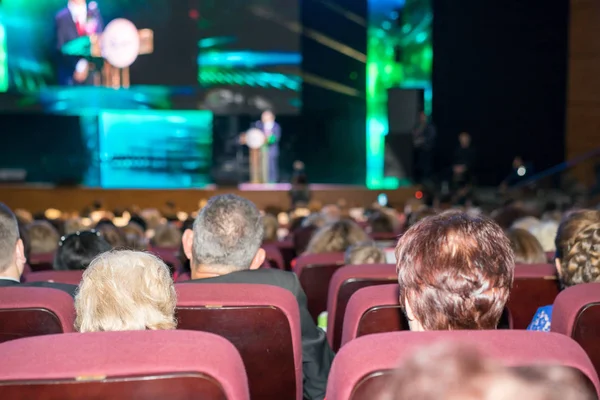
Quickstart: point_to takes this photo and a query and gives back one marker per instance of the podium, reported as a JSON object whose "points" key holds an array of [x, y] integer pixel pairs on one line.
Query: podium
{"points": [[256, 141], [115, 49]]}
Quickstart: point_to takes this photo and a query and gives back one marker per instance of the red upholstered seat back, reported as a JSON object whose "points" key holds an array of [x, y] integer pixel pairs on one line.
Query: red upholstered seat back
{"points": [[384, 236], [288, 252], [70, 277], [273, 255], [41, 262], [345, 282], [32, 311], [373, 310], [315, 272], [174, 365], [363, 362], [169, 257], [302, 237], [576, 313], [263, 322], [535, 286]]}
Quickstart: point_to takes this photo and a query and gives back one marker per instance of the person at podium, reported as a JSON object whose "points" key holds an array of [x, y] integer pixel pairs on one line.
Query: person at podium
{"points": [[272, 132], [77, 19]]}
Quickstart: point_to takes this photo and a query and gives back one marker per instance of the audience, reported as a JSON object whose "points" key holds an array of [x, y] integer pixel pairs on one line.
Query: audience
{"points": [[364, 253], [111, 233], [455, 269], [545, 233], [12, 255], [331, 213], [73, 225], [166, 236], [316, 220], [224, 247], [336, 237], [126, 290], [456, 272], [459, 372], [270, 228], [77, 250], [577, 257], [44, 238], [135, 237], [418, 215], [526, 247], [380, 222]]}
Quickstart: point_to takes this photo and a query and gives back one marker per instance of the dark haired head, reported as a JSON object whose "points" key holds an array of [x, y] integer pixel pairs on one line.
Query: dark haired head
{"points": [[77, 250]]}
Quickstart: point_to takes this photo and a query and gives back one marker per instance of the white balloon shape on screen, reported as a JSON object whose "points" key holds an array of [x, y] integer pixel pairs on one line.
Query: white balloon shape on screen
{"points": [[120, 43], [255, 138]]}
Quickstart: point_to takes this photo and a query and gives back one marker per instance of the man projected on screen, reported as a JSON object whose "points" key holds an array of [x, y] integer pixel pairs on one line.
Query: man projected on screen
{"points": [[272, 131], [74, 21]]}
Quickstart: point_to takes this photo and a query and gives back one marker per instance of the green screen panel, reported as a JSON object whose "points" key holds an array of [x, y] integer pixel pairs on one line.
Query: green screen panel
{"points": [[399, 55]]}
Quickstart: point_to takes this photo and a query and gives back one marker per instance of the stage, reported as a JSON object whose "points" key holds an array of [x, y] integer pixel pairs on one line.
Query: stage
{"points": [[36, 198]]}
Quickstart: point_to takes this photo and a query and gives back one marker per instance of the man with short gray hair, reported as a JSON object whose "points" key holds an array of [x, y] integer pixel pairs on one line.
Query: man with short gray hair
{"points": [[12, 255], [224, 247]]}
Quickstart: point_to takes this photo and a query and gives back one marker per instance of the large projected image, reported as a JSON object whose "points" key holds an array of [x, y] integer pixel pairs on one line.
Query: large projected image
{"points": [[55, 50], [400, 55], [250, 57]]}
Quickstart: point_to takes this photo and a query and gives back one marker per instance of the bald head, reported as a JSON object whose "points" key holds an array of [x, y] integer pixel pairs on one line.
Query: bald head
{"points": [[9, 236], [227, 234]]}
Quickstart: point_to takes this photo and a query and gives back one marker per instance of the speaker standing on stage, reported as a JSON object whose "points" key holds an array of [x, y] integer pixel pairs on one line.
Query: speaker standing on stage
{"points": [[272, 131], [76, 20], [424, 139]]}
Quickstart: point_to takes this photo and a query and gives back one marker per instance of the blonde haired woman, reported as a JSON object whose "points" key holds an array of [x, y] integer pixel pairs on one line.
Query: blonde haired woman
{"points": [[336, 237], [364, 253], [125, 290]]}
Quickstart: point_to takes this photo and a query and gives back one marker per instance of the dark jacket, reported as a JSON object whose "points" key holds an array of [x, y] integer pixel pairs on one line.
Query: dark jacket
{"points": [[465, 156], [70, 289], [317, 356], [275, 138], [66, 31]]}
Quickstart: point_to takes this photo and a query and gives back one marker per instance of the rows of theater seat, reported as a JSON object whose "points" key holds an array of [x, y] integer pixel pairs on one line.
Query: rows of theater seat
{"points": [[262, 354], [262, 322]]}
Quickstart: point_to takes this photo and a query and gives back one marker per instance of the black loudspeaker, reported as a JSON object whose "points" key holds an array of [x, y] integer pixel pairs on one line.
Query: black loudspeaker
{"points": [[404, 106], [398, 156]]}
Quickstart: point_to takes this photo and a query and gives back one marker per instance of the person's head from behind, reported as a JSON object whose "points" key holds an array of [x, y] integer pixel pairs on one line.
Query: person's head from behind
{"points": [[454, 371], [111, 233], [166, 236], [125, 290], [545, 233], [578, 248], [77, 250], [331, 213], [73, 225], [227, 236], [415, 216], [267, 117], [455, 272], [336, 237], [464, 139], [135, 237], [380, 222], [364, 253], [526, 247], [12, 253], [43, 236], [270, 228]]}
